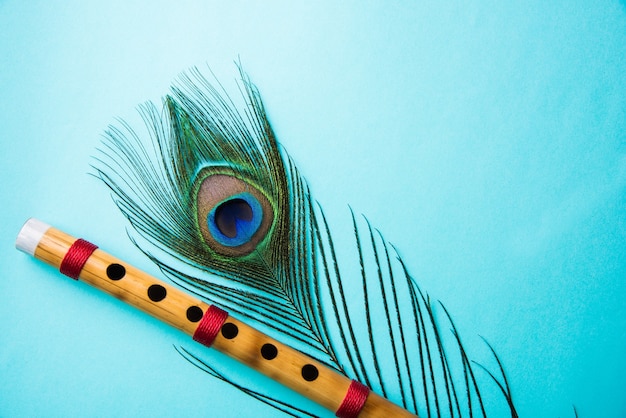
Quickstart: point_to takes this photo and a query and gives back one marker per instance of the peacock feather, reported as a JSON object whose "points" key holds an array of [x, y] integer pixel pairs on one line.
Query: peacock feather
{"points": [[220, 207]]}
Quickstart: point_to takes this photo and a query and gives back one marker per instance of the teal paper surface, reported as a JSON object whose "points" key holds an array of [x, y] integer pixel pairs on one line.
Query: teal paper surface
{"points": [[486, 141]]}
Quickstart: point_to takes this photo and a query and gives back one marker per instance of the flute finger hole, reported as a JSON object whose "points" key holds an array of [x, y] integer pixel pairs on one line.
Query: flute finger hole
{"points": [[310, 372], [116, 271], [269, 351], [194, 313], [157, 293], [230, 330]]}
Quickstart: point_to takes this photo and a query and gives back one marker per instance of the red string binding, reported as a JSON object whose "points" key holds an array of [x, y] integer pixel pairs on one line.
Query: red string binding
{"points": [[210, 325], [76, 257], [354, 400]]}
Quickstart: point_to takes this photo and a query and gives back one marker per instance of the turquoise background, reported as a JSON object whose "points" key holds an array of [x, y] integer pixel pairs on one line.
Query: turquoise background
{"points": [[486, 140]]}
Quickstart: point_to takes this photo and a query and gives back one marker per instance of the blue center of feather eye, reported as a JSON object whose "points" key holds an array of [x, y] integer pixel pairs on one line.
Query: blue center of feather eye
{"points": [[233, 222]]}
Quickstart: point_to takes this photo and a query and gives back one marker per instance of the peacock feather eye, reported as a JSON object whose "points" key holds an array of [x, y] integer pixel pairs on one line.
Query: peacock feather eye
{"points": [[234, 216]]}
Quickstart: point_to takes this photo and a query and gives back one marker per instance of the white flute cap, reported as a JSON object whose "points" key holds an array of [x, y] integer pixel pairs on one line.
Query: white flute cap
{"points": [[30, 235]]}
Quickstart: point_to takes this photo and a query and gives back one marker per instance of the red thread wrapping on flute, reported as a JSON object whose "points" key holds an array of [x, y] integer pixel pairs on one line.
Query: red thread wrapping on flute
{"points": [[210, 325], [354, 400], [76, 257]]}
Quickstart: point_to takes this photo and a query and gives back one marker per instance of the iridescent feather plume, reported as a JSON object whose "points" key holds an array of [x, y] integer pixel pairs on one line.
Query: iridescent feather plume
{"points": [[221, 208]]}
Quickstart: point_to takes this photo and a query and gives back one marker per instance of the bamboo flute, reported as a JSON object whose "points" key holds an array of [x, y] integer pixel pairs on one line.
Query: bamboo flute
{"points": [[206, 323]]}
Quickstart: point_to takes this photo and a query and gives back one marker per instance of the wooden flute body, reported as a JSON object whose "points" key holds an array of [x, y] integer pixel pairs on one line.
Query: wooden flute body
{"points": [[177, 308]]}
